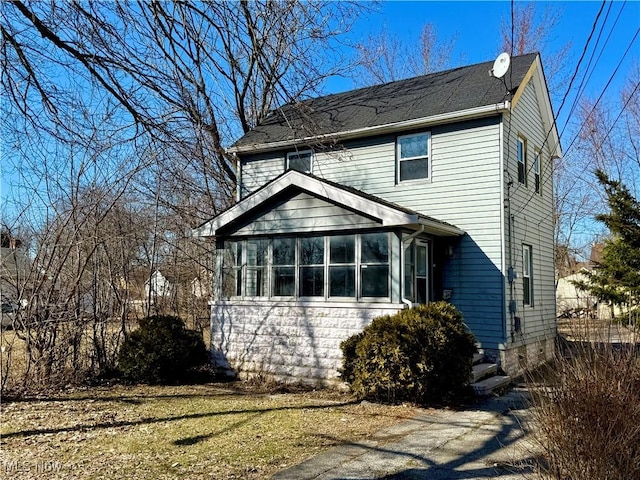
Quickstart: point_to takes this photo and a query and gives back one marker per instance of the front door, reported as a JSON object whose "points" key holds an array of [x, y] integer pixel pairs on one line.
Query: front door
{"points": [[416, 271]]}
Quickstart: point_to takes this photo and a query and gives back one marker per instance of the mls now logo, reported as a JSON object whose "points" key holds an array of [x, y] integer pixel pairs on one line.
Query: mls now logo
{"points": [[36, 466]]}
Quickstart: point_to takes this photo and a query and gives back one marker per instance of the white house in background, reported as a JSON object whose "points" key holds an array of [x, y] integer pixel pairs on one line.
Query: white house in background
{"points": [[157, 287], [573, 301], [362, 203]]}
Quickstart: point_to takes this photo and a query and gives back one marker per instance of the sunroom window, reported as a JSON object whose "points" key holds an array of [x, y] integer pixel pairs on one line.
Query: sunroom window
{"points": [[352, 266], [256, 275], [374, 265], [232, 270], [312, 267], [342, 266], [283, 271], [416, 271]]}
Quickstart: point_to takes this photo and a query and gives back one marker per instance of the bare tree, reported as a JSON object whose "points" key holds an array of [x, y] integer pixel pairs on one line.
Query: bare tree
{"points": [[190, 74], [115, 120], [384, 57], [530, 30]]}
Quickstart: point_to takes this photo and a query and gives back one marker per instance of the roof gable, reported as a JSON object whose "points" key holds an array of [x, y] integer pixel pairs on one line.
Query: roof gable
{"points": [[437, 95], [289, 184]]}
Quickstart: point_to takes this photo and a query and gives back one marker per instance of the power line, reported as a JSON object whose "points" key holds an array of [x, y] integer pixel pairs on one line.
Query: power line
{"points": [[585, 78], [605, 88], [566, 94], [549, 171]]}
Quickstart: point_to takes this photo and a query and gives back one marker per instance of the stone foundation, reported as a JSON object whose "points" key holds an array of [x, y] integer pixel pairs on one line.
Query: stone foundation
{"points": [[290, 340], [517, 359]]}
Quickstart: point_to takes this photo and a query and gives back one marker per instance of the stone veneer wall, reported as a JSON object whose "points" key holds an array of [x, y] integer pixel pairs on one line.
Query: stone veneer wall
{"points": [[300, 340], [515, 360]]}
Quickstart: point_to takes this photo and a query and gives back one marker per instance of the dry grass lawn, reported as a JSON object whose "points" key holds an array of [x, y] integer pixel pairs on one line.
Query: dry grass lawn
{"points": [[194, 432]]}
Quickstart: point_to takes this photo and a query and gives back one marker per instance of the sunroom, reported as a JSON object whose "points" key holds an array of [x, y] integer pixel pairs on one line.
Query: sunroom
{"points": [[303, 263]]}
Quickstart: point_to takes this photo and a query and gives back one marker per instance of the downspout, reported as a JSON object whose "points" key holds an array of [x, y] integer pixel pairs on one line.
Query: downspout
{"points": [[409, 239]]}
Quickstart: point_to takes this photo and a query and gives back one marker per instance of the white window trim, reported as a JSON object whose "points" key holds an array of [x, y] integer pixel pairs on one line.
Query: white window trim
{"points": [[413, 243], [527, 272], [399, 160], [523, 161], [298, 153], [354, 264], [537, 159]]}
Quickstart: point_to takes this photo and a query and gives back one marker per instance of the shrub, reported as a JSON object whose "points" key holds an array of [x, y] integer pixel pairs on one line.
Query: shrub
{"points": [[423, 355], [587, 420], [162, 350]]}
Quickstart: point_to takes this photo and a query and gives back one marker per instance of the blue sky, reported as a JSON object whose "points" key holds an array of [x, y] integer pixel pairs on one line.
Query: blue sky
{"points": [[476, 25]]}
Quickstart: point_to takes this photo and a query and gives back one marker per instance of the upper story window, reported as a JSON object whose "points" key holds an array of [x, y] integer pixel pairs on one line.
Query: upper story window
{"points": [[521, 155], [301, 161], [536, 169], [412, 153], [527, 275]]}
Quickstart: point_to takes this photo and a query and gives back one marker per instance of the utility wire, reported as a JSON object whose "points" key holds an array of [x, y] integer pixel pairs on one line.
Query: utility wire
{"points": [[587, 77], [566, 94], [546, 175]]}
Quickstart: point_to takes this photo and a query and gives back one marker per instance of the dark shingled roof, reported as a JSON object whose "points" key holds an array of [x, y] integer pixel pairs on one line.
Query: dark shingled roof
{"points": [[439, 93]]}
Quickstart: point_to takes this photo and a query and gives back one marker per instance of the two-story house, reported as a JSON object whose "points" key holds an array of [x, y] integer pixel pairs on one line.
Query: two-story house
{"points": [[358, 204]]}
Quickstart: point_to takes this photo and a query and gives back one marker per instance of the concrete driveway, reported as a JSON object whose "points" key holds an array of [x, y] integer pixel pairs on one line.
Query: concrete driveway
{"points": [[486, 440]]}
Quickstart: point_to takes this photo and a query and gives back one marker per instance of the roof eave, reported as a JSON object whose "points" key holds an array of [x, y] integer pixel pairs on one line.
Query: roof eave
{"points": [[468, 114], [536, 73]]}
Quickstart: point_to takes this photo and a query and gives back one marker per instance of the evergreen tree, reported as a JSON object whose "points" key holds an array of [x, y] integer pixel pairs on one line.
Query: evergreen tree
{"points": [[616, 278]]}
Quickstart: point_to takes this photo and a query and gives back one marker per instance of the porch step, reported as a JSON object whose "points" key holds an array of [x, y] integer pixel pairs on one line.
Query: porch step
{"points": [[488, 385], [482, 370], [478, 357]]}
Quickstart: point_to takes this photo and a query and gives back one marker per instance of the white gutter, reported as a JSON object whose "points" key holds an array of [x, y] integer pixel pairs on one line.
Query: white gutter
{"points": [[435, 226], [379, 129]]}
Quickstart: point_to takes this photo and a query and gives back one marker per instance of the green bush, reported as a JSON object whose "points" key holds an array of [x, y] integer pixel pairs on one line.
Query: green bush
{"points": [[422, 355], [162, 350]]}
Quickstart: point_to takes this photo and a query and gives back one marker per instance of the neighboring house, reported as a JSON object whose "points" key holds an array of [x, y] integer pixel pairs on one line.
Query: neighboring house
{"points": [[14, 270], [157, 285], [359, 204], [574, 302]]}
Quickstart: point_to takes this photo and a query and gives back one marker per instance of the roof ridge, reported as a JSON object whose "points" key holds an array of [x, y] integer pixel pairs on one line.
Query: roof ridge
{"points": [[416, 77]]}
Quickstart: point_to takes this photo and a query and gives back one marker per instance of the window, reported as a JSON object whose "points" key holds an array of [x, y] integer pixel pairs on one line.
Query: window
{"points": [[256, 263], [412, 153], [232, 270], [283, 271], [416, 271], [300, 161], [339, 267], [522, 160], [527, 277], [312, 267], [536, 169], [342, 266], [374, 265]]}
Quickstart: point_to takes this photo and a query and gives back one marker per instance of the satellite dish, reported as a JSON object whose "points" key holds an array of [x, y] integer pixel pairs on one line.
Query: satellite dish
{"points": [[501, 65]]}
